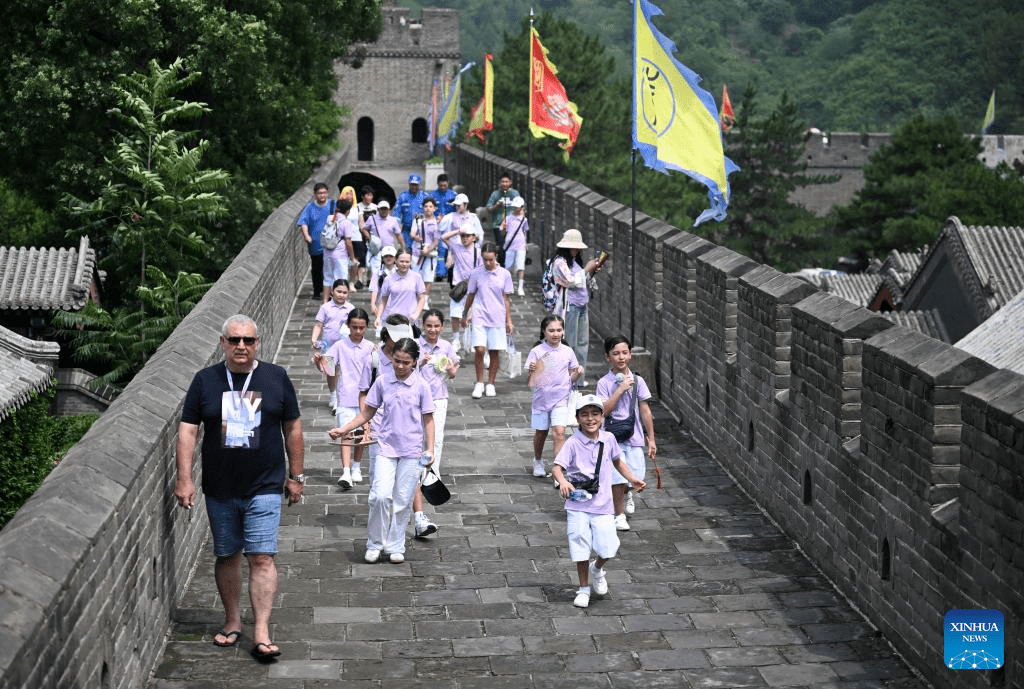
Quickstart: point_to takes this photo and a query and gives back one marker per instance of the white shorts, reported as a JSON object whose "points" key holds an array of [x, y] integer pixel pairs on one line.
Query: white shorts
{"points": [[494, 339], [345, 414], [633, 456], [543, 420], [457, 308], [590, 533], [335, 269], [428, 269], [515, 260]]}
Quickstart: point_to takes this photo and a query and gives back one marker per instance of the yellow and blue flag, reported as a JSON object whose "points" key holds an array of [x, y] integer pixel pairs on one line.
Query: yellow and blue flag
{"points": [[451, 112], [990, 114], [675, 122]]}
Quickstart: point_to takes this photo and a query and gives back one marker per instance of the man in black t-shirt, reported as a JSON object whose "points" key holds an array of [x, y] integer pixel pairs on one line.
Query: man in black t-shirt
{"points": [[251, 416]]}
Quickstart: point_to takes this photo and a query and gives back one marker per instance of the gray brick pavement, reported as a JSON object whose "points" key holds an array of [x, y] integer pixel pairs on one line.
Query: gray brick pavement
{"points": [[706, 592]]}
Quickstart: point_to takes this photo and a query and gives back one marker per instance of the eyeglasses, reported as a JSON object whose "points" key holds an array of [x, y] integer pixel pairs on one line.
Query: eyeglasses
{"points": [[249, 341]]}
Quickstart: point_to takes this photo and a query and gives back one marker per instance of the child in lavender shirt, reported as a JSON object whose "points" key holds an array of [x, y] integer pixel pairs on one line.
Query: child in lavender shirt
{"points": [[425, 239], [489, 287], [402, 291], [336, 260], [328, 329], [514, 229], [352, 357], [407, 435], [589, 523], [552, 370]]}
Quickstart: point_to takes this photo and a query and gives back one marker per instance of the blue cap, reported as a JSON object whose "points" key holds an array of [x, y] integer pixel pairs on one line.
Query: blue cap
{"points": [[414, 179]]}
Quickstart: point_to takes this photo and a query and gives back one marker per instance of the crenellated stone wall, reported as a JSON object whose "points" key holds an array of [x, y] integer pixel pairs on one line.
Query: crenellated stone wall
{"points": [[94, 562], [894, 460]]}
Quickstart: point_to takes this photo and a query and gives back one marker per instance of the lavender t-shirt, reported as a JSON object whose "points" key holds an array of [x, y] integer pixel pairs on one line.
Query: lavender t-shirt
{"points": [[607, 385], [429, 234], [569, 276], [407, 401], [385, 228], [579, 457], [352, 364], [490, 288], [343, 228], [436, 379], [516, 228], [332, 316], [402, 293], [551, 387], [462, 259]]}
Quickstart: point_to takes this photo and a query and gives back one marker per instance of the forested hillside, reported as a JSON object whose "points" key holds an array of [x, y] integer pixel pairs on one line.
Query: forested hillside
{"points": [[848, 65]]}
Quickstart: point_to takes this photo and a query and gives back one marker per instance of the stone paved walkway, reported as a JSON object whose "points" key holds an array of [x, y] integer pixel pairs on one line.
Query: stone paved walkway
{"points": [[706, 591]]}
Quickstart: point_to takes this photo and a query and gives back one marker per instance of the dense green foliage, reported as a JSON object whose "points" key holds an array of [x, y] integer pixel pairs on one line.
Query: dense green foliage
{"points": [[266, 71], [928, 172], [31, 443], [848, 65]]}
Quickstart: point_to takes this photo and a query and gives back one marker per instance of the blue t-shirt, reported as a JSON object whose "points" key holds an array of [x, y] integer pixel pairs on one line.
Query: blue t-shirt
{"points": [[314, 217], [407, 205], [444, 201], [243, 444]]}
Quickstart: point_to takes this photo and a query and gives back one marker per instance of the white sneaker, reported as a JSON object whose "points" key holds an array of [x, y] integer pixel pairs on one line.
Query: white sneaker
{"points": [[630, 506], [346, 480], [357, 475], [424, 527], [597, 579], [490, 391], [396, 558], [372, 555], [538, 468], [521, 293], [620, 523], [332, 405], [581, 383], [582, 599], [478, 391]]}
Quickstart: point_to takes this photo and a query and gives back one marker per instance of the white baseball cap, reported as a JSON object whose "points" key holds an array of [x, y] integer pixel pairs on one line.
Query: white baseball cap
{"points": [[389, 251], [383, 203], [518, 202], [461, 199], [589, 401]]}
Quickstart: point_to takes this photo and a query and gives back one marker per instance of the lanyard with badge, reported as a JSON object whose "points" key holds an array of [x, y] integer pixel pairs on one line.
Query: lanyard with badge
{"points": [[241, 415]]}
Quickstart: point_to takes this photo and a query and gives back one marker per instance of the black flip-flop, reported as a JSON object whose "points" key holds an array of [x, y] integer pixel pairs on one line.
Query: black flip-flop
{"points": [[233, 636], [263, 655]]}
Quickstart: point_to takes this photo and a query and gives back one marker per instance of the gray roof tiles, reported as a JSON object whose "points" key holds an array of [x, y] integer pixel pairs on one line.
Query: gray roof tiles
{"points": [[46, 279], [1000, 339]]}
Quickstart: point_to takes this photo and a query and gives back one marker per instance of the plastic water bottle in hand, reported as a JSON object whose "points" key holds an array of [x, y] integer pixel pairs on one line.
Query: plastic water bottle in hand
{"points": [[579, 495], [619, 377]]}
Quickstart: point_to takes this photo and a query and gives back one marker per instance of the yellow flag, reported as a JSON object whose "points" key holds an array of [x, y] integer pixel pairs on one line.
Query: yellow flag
{"points": [[990, 113], [675, 122]]}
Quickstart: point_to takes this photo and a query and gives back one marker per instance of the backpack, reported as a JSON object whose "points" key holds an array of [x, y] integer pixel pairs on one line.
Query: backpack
{"points": [[329, 236], [551, 290]]}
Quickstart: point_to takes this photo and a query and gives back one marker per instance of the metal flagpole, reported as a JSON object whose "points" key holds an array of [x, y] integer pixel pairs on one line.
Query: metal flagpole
{"points": [[529, 156], [632, 254]]}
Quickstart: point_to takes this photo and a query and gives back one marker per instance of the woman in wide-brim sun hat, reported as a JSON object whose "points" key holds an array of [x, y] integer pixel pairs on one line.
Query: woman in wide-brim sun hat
{"points": [[571, 275]]}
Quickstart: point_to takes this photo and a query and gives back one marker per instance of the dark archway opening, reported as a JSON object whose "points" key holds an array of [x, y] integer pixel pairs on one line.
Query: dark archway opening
{"points": [[364, 138]]}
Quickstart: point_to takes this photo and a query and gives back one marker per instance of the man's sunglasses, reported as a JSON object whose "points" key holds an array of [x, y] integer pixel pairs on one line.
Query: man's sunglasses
{"points": [[250, 341]]}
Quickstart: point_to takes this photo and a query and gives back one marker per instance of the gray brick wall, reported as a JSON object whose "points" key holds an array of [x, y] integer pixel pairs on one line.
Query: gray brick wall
{"points": [[896, 461], [95, 560]]}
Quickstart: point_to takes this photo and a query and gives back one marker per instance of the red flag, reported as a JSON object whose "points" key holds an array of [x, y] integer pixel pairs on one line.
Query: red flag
{"points": [[551, 111], [726, 116]]}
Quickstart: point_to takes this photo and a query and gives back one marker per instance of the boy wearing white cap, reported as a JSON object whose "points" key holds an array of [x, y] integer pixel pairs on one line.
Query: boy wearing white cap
{"points": [[584, 479]]}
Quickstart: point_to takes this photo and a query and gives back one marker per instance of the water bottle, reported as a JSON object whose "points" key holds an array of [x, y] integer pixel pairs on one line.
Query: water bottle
{"points": [[425, 459], [619, 377], [579, 495]]}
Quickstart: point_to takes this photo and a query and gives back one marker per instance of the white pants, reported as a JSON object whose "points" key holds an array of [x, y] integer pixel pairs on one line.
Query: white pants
{"points": [[440, 415], [390, 502]]}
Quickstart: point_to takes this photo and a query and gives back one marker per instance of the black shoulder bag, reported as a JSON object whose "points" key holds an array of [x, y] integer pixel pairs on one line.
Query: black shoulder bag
{"points": [[622, 429], [584, 482], [459, 289]]}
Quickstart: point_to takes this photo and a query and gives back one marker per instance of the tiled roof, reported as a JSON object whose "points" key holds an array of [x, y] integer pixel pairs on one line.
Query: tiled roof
{"points": [[27, 366], [927, 322], [1000, 339], [857, 288], [997, 256], [46, 279]]}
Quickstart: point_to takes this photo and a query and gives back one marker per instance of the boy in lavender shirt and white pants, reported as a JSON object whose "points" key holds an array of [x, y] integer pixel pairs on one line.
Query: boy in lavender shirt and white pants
{"points": [[590, 524]]}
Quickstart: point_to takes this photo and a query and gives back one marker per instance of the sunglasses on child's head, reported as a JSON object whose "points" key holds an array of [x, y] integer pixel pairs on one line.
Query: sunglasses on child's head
{"points": [[250, 341]]}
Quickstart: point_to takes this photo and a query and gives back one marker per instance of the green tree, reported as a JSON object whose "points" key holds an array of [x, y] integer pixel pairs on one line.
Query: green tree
{"points": [[156, 203], [23, 222], [121, 340], [928, 172], [762, 223]]}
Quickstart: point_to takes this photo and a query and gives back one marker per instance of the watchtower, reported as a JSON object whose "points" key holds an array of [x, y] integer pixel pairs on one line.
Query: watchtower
{"points": [[387, 85]]}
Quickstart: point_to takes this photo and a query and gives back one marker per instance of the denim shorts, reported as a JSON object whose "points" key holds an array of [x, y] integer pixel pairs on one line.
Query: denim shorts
{"points": [[244, 524]]}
